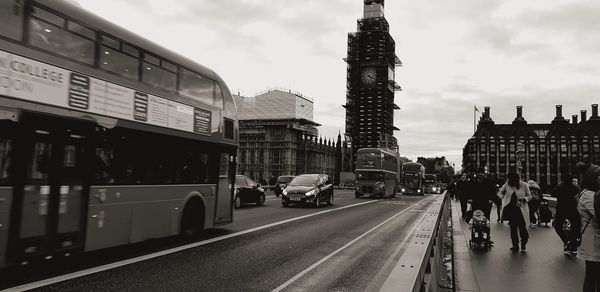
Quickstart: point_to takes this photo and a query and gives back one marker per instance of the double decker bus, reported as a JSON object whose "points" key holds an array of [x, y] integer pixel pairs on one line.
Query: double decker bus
{"points": [[431, 184], [106, 138], [377, 172], [413, 178]]}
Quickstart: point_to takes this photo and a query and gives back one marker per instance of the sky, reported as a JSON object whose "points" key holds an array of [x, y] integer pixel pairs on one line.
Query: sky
{"points": [[455, 54]]}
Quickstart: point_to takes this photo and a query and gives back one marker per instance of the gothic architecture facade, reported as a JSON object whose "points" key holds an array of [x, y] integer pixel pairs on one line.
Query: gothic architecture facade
{"points": [[370, 81], [540, 152]]}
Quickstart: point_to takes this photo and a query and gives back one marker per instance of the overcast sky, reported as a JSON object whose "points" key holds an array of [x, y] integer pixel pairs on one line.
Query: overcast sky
{"points": [[456, 54]]}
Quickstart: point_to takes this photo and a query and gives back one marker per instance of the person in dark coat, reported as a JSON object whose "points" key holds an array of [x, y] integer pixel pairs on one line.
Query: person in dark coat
{"points": [[482, 193], [566, 209], [462, 188], [451, 189]]}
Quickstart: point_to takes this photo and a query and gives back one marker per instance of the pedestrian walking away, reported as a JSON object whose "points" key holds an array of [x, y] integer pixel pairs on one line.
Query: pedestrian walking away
{"points": [[589, 250], [534, 204], [462, 188], [567, 222], [515, 195]]}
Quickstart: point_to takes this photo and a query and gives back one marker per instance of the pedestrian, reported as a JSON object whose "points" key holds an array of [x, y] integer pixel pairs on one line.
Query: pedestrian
{"points": [[534, 204], [589, 250], [567, 221], [452, 189], [515, 194], [462, 188], [482, 193]]}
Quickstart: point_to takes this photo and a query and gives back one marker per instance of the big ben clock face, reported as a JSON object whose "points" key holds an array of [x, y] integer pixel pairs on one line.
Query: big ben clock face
{"points": [[368, 75]]}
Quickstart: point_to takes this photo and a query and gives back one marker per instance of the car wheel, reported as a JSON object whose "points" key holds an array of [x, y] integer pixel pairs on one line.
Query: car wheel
{"points": [[238, 202], [261, 200], [356, 195], [330, 200], [284, 204], [318, 201]]}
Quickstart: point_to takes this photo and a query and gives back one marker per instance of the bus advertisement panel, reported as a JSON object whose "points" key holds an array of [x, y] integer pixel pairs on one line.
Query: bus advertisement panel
{"points": [[376, 173], [413, 177]]}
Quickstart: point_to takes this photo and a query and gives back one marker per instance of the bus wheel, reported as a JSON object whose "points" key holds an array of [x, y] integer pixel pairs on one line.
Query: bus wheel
{"points": [[192, 220]]}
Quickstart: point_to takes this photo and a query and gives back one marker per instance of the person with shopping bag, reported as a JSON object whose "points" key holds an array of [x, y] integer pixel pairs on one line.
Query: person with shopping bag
{"points": [[515, 195]]}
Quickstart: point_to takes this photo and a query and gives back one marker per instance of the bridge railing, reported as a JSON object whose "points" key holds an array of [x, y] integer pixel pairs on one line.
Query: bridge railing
{"points": [[426, 264]]}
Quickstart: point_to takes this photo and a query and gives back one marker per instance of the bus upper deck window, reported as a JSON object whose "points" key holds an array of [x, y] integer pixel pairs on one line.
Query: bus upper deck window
{"points": [[11, 13]]}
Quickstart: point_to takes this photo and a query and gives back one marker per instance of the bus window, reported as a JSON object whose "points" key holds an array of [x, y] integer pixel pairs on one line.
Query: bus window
{"points": [[39, 165], [196, 87], [159, 77], [11, 13], [46, 31], [5, 149], [117, 62]]}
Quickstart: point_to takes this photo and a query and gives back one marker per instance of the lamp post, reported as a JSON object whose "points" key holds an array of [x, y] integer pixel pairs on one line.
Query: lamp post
{"points": [[520, 156]]}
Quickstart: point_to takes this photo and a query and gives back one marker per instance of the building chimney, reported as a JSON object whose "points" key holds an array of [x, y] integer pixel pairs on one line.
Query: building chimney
{"points": [[574, 119], [487, 112], [559, 111], [583, 116], [519, 112], [594, 111]]}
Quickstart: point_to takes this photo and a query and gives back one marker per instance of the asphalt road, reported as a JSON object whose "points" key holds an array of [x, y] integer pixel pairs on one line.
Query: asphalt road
{"points": [[341, 247]]}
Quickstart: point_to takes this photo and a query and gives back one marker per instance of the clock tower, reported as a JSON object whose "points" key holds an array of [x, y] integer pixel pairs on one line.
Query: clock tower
{"points": [[370, 81]]}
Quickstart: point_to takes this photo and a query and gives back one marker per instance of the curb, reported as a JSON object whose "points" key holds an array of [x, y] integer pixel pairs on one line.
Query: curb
{"points": [[464, 276]]}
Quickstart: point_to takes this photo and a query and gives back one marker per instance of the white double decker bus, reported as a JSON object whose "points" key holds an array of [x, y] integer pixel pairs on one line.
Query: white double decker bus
{"points": [[106, 138]]}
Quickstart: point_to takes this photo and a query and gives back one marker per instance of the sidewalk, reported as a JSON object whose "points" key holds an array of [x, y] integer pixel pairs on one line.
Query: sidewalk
{"points": [[543, 267]]}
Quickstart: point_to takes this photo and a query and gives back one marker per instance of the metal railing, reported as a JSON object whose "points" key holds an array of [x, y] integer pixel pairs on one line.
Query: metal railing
{"points": [[426, 264]]}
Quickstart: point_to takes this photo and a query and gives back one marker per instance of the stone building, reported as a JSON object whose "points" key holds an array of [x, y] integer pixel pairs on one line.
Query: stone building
{"points": [[544, 151], [279, 137]]}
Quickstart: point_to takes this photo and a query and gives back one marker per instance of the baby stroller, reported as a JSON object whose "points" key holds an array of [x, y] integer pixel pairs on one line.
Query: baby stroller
{"points": [[480, 231], [544, 213]]}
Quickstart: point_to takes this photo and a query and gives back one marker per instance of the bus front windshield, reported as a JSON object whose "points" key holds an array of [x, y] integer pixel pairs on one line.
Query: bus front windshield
{"points": [[369, 175], [411, 182]]}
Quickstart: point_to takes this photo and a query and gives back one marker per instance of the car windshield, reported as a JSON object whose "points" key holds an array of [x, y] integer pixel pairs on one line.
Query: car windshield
{"points": [[240, 181], [285, 179], [306, 181]]}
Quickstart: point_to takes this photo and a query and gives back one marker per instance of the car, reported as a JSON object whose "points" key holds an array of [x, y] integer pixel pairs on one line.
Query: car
{"points": [[282, 182], [248, 191], [311, 189]]}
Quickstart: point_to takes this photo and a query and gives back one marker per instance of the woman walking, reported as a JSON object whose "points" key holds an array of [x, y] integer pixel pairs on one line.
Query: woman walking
{"points": [[589, 250], [515, 194]]}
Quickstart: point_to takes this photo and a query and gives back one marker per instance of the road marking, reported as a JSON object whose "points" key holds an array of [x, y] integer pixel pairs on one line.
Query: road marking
{"points": [[313, 266], [102, 268]]}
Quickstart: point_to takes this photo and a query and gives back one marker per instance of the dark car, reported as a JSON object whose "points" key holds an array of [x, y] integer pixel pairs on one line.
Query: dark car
{"points": [[308, 189], [282, 182], [248, 191]]}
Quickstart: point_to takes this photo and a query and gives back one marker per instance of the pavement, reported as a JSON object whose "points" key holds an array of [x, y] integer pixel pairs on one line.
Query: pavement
{"points": [[543, 267]]}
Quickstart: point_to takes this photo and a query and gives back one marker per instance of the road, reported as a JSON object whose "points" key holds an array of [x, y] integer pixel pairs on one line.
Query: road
{"points": [[350, 246]]}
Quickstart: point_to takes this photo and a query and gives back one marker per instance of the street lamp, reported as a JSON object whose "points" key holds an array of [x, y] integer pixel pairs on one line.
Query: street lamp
{"points": [[520, 156]]}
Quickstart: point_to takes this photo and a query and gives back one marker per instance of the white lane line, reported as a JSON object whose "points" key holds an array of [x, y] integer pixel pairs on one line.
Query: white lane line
{"points": [[94, 270], [313, 266]]}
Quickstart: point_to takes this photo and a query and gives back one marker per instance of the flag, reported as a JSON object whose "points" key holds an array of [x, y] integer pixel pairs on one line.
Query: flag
{"points": [[476, 109]]}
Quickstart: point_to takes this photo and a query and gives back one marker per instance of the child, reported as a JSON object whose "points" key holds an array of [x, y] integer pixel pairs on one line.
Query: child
{"points": [[480, 229]]}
